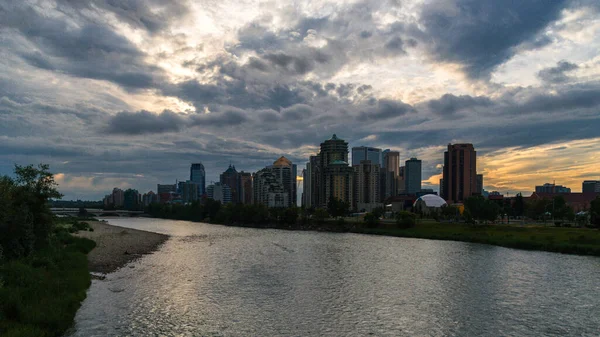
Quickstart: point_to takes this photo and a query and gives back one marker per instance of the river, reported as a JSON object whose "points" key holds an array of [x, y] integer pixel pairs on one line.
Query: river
{"points": [[210, 280]]}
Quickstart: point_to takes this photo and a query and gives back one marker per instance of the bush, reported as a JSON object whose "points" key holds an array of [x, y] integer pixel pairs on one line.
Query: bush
{"points": [[41, 293], [371, 220], [406, 219]]}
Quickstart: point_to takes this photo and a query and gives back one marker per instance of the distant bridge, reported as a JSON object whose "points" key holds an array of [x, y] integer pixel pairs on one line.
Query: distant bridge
{"points": [[95, 212]]}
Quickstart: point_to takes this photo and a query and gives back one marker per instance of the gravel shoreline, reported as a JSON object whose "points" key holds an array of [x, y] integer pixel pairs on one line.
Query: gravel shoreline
{"points": [[116, 246]]}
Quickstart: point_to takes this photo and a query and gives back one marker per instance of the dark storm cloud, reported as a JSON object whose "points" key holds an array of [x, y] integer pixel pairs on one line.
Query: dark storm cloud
{"points": [[229, 116], [557, 74], [144, 122], [482, 34], [151, 15], [450, 104], [386, 109], [81, 49]]}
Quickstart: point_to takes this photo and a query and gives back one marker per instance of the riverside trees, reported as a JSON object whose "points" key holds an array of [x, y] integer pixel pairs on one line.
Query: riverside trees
{"points": [[25, 218]]}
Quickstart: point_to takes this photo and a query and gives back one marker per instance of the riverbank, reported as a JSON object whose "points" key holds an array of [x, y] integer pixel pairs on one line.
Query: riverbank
{"points": [[117, 246], [581, 241], [40, 293]]}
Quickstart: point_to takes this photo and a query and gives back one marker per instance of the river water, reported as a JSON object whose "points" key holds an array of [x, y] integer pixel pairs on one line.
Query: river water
{"points": [[209, 280]]}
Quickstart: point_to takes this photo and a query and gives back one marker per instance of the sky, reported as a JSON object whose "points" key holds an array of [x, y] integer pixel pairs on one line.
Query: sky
{"points": [[129, 93]]}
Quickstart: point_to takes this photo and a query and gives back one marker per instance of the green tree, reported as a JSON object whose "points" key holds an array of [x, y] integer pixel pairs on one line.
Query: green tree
{"points": [[519, 205], [406, 219], [320, 215], [595, 212], [25, 218], [371, 220], [337, 208]]}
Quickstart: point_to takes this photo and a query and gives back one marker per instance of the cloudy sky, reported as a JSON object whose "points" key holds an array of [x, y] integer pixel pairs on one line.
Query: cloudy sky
{"points": [[128, 93]]}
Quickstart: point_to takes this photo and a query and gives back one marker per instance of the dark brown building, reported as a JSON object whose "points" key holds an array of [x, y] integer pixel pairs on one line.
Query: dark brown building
{"points": [[460, 173]]}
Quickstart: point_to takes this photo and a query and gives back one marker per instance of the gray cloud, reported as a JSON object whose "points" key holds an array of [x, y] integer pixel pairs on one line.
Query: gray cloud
{"points": [[86, 49], [557, 74], [449, 104], [482, 34], [143, 122]]}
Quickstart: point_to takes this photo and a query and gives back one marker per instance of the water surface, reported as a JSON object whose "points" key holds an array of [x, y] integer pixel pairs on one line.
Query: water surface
{"points": [[210, 280]]}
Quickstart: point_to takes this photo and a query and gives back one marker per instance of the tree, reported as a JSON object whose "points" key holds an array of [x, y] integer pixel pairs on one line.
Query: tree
{"points": [[337, 208], [406, 219], [371, 220], [320, 215], [595, 212], [482, 209], [519, 205], [25, 218]]}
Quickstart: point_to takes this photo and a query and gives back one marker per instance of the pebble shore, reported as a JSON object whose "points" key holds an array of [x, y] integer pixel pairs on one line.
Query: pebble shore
{"points": [[116, 246]]}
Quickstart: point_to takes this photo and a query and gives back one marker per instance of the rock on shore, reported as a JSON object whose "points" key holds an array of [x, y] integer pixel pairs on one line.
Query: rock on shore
{"points": [[116, 246]]}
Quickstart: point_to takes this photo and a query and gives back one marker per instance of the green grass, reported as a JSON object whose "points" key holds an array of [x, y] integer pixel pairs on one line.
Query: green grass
{"points": [[562, 240], [40, 294]]}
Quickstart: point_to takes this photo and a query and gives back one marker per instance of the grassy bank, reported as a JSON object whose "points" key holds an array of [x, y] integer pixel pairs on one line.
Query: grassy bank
{"points": [[40, 294], [562, 240]]}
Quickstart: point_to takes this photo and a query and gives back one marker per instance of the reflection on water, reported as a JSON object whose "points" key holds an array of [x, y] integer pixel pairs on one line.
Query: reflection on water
{"points": [[223, 281]]}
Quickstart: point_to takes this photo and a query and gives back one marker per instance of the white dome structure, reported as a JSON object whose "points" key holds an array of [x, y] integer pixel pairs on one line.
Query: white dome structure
{"points": [[429, 203]]}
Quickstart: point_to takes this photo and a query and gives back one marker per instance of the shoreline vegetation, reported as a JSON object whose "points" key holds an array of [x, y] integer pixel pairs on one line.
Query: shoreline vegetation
{"points": [[567, 240]]}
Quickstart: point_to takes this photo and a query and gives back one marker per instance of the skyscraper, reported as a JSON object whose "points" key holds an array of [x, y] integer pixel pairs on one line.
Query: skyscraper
{"points": [[268, 189], [315, 182], [285, 171], [391, 163], [460, 172], [479, 189], [198, 176], [366, 186], [334, 151], [231, 178], [413, 176], [338, 182], [361, 153], [590, 186], [219, 192], [246, 187]]}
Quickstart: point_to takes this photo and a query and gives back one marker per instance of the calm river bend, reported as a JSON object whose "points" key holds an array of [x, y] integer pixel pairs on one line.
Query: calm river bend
{"points": [[209, 280]]}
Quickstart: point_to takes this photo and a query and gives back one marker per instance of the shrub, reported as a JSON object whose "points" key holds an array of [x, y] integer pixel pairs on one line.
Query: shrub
{"points": [[406, 219], [371, 220]]}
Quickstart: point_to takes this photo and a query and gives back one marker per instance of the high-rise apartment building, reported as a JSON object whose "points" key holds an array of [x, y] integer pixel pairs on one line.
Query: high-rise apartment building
{"points": [[334, 152], [131, 199], [391, 163], [166, 188], [118, 197], [590, 186], [275, 185], [198, 176], [361, 153], [219, 192], [412, 176], [312, 183], [366, 186], [460, 172], [401, 181], [552, 188], [268, 189], [479, 189], [231, 178], [338, 182], [189, 191], [246, 187]]}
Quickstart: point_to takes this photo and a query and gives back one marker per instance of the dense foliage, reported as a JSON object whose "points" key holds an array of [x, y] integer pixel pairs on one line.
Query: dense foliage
{"points": [[43, 269], [406, 219], [25, 218]]}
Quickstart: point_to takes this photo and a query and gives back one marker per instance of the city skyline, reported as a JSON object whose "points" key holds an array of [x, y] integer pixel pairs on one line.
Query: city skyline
{"points": [[128, 96]]}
